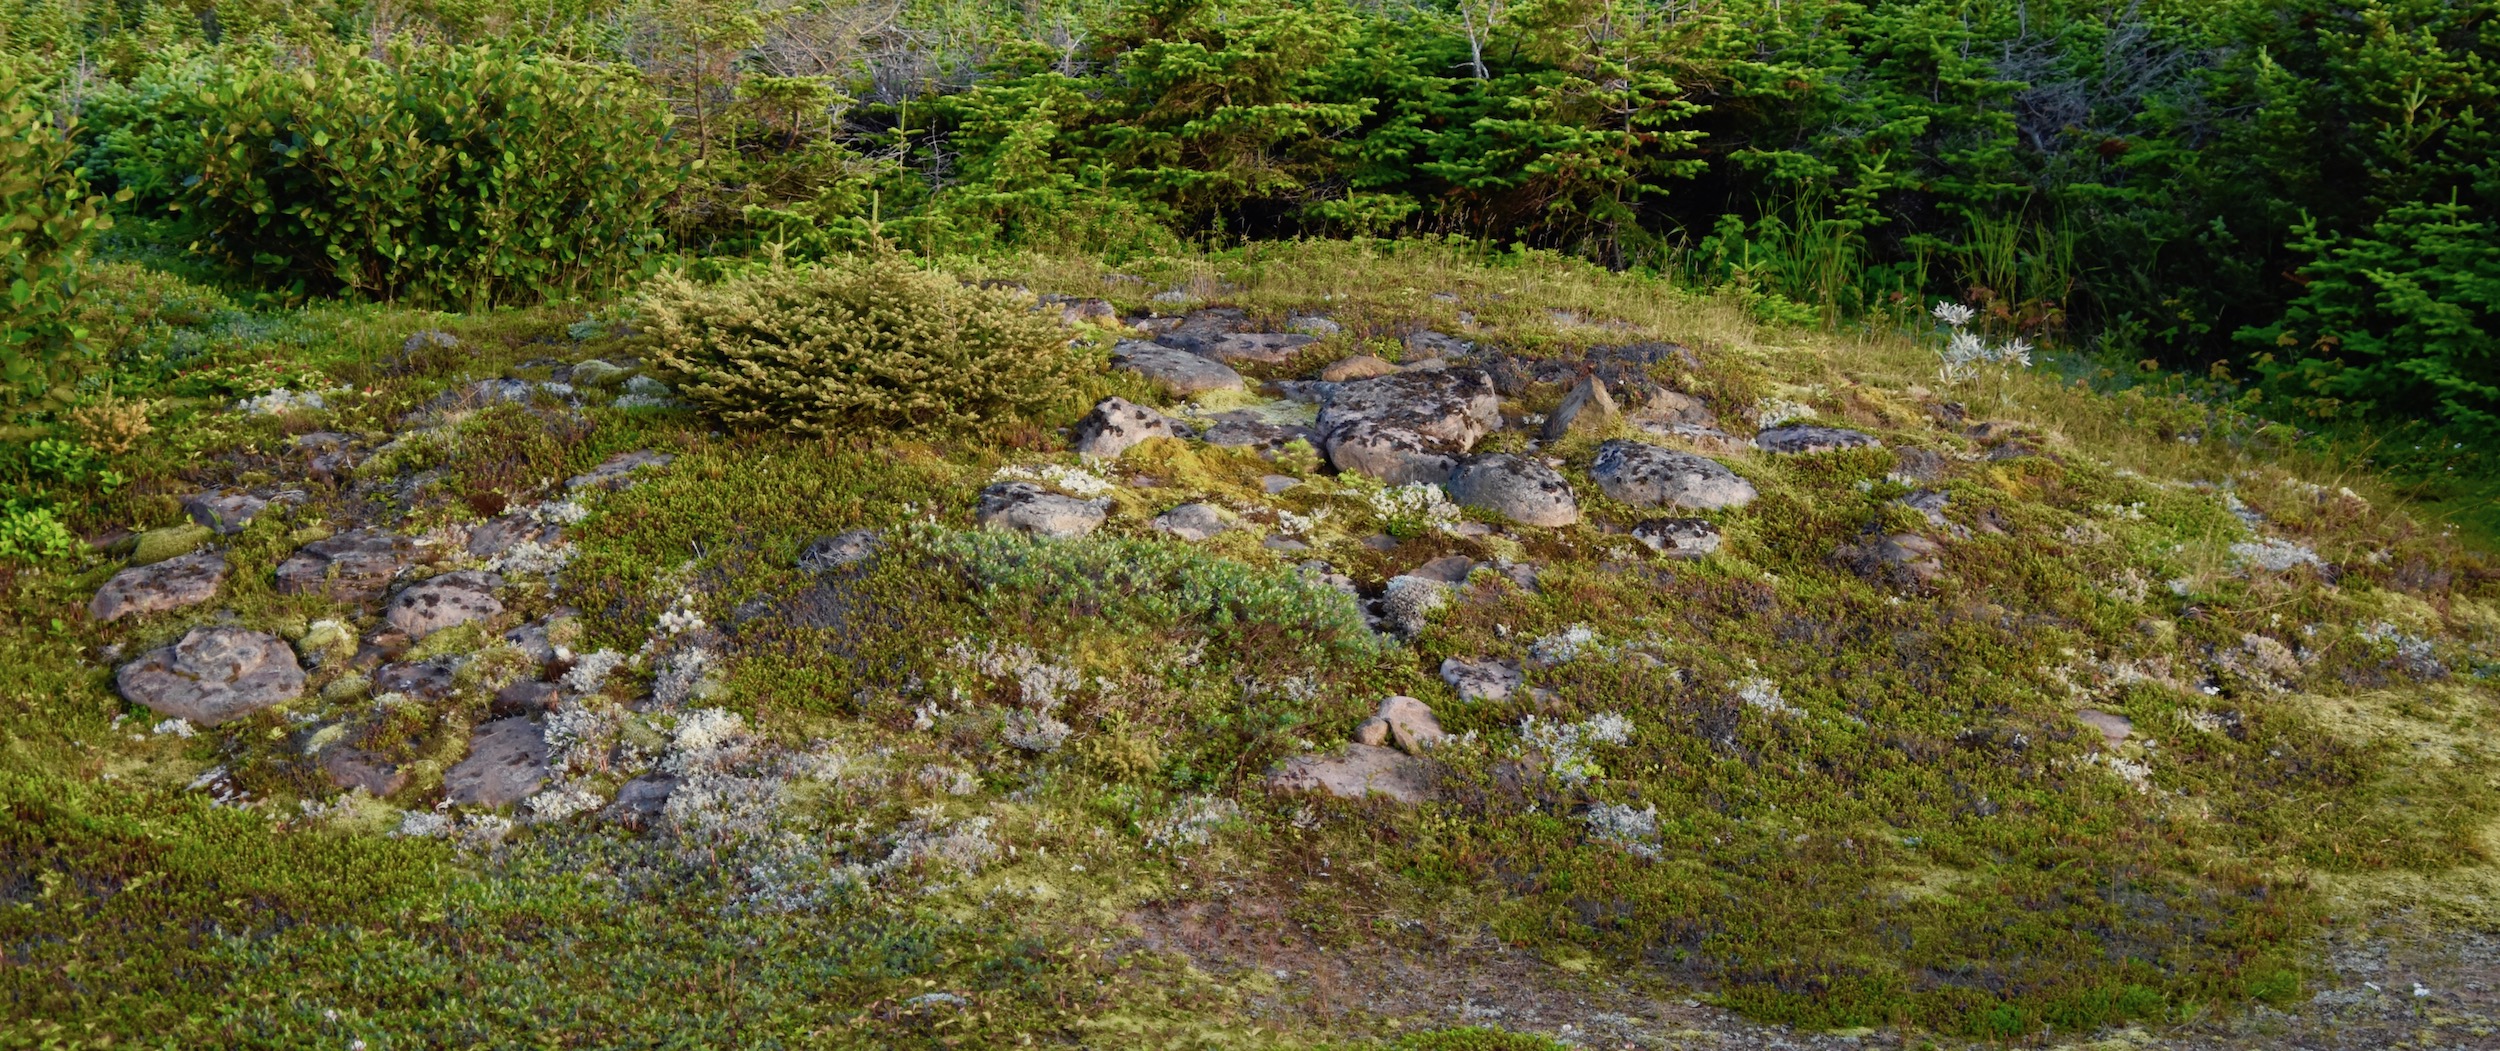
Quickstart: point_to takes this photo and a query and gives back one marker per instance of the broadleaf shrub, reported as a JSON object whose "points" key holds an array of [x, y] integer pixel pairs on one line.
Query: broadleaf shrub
{"points": [[857, 342], [473, 176], [46, 216]]}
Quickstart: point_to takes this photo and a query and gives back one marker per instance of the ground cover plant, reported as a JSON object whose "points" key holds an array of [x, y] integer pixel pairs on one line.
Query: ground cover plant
{"points": [[1522, 526]]}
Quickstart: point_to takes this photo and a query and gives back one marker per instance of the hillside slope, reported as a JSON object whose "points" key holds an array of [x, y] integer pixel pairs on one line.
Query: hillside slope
{"points": [[1508, 644]]}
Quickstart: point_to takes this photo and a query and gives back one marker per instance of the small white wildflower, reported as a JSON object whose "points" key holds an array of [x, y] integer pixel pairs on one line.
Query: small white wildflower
{"points": [[1954, 314]]}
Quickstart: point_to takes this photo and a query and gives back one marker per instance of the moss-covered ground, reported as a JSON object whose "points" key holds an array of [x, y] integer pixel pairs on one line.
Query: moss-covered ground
{"points": [[1872, 804]]}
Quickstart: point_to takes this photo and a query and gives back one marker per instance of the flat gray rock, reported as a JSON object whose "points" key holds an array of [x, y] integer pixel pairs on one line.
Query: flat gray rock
{"points": [[225, 512], [1118, 424], [212, 675], [506, 764], [1024, 507], [618, 471], [184, 580], [349, 768], [1517, 488], [1481, 680], [1429, 344], [1178, 371], [1262, 347], [1801, 438], [1410, 427], [1356, 771], [497, 535], [354, 566], [1678, 537], [1646, 475], [451, 599], [1192, 522]]}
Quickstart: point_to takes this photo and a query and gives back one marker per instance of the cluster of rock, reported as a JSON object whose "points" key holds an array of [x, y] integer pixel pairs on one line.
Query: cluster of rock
{"points": [[219, 672], [1386, 757]]}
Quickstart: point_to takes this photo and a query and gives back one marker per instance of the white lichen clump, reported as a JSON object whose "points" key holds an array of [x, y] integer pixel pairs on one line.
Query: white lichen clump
{"points": [[1191, 823], [590, 671], [1635, 832], [1764, 695], [1416, 507], [2275, 556], [1567, 746], [1070, 480]]}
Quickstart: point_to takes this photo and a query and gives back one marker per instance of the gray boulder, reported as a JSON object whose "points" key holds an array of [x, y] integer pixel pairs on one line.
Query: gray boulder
{"points": [[1481, 680], [1410, 427], [1262, 347], [1667, 408], [1117, 424], [1798, 438], [1358, 367], [442, 602], [1516, 488], [1356, 771], [185, 580], [212, 675], [354, 566], [1678, 537], [1313, 325], [1178, 371], [1192, 522], [1024, 507], [225, 512], [1645, 475], [506, 764]]}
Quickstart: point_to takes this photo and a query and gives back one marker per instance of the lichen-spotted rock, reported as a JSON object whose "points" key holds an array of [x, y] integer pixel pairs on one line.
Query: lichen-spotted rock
{"points": [[1517, 488], [354, 566], [1796, 439], [1178, 371], [1678, 537], [1411, 427], [506, 764], [1024, 507], [1645, 475], [212, 675], [185, 580], [1118, 424], [445, 601]]}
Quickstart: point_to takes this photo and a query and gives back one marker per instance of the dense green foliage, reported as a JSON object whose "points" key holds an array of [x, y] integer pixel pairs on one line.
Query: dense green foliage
{"points": [[851, 343], [2190, 182], [46, 216], [475, 176]]}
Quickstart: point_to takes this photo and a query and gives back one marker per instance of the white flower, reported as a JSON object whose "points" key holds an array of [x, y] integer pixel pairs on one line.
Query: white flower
{"points": [[2018, 352], [1954, 314]]}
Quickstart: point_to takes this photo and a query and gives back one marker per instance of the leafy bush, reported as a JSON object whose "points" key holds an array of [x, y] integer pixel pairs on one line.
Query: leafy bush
{"points": [[45, 217], [31, 533], [860, 342], [475, 175]]}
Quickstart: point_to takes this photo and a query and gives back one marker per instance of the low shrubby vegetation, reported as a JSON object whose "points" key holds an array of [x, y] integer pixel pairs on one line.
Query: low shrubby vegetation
{"points": [[842, 345]]}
